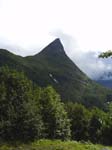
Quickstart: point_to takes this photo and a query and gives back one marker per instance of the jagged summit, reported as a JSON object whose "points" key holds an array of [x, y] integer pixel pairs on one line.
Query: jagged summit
{"points": [[54, 48]]}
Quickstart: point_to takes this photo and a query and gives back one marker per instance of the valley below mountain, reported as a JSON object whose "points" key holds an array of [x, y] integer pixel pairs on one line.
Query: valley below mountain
{"points": [[105, 79]]}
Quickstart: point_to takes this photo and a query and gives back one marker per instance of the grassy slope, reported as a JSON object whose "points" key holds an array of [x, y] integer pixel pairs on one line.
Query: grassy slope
{"points": [[55, 145]]}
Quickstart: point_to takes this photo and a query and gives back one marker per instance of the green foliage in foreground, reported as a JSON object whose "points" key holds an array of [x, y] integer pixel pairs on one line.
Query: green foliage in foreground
{"points": [[56, 122], [27, 112], [106, 54], [54, 145], [19, 112]]}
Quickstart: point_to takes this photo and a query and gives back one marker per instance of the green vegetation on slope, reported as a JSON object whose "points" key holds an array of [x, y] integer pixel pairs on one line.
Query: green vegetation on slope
{"points": [[19, 112], [27, 112], [53, 67]]}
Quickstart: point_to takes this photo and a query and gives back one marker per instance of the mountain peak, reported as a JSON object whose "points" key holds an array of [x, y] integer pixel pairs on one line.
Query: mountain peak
{"points": [[56, 44], [54, 48], [57, 40]]}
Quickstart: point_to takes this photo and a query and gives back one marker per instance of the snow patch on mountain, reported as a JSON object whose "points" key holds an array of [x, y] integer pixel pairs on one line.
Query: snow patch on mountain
{"points": [[54, 79]]}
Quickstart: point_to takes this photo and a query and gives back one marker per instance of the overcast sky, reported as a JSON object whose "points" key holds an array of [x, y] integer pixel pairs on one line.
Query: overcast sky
{"points": [[84, 27]]}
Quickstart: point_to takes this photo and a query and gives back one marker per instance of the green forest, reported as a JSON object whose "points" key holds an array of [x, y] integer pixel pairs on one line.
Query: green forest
{"points": [[29, 112]]}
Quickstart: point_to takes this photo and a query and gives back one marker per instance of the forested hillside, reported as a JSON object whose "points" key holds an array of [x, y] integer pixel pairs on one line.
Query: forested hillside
{"points": [[29, 113], [53, 67]]}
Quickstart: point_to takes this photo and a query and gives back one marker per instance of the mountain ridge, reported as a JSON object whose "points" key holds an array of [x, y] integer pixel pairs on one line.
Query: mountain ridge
{"points": [[53, 67], [54, 47]]}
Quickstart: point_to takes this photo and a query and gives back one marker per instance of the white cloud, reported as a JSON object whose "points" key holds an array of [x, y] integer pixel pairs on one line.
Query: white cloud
{"points": [[93, 66], [28, 22], [87, 61], [84, 26]]}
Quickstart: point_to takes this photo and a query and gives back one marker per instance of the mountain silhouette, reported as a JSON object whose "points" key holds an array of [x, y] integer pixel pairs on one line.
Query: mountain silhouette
{"points": [[53, 67]]}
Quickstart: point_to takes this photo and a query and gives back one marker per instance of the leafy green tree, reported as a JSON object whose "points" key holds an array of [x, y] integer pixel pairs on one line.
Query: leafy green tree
{"points": [[106, 54], [57, 124], [107, 127], [19, 112], [106, 136], [97, 121], [79, 116]]}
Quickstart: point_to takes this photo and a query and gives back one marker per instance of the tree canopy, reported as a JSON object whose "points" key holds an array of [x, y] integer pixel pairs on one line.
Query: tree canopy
{"points": [[57, 124], [19, 113], [106, 54], [28, 112]]}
